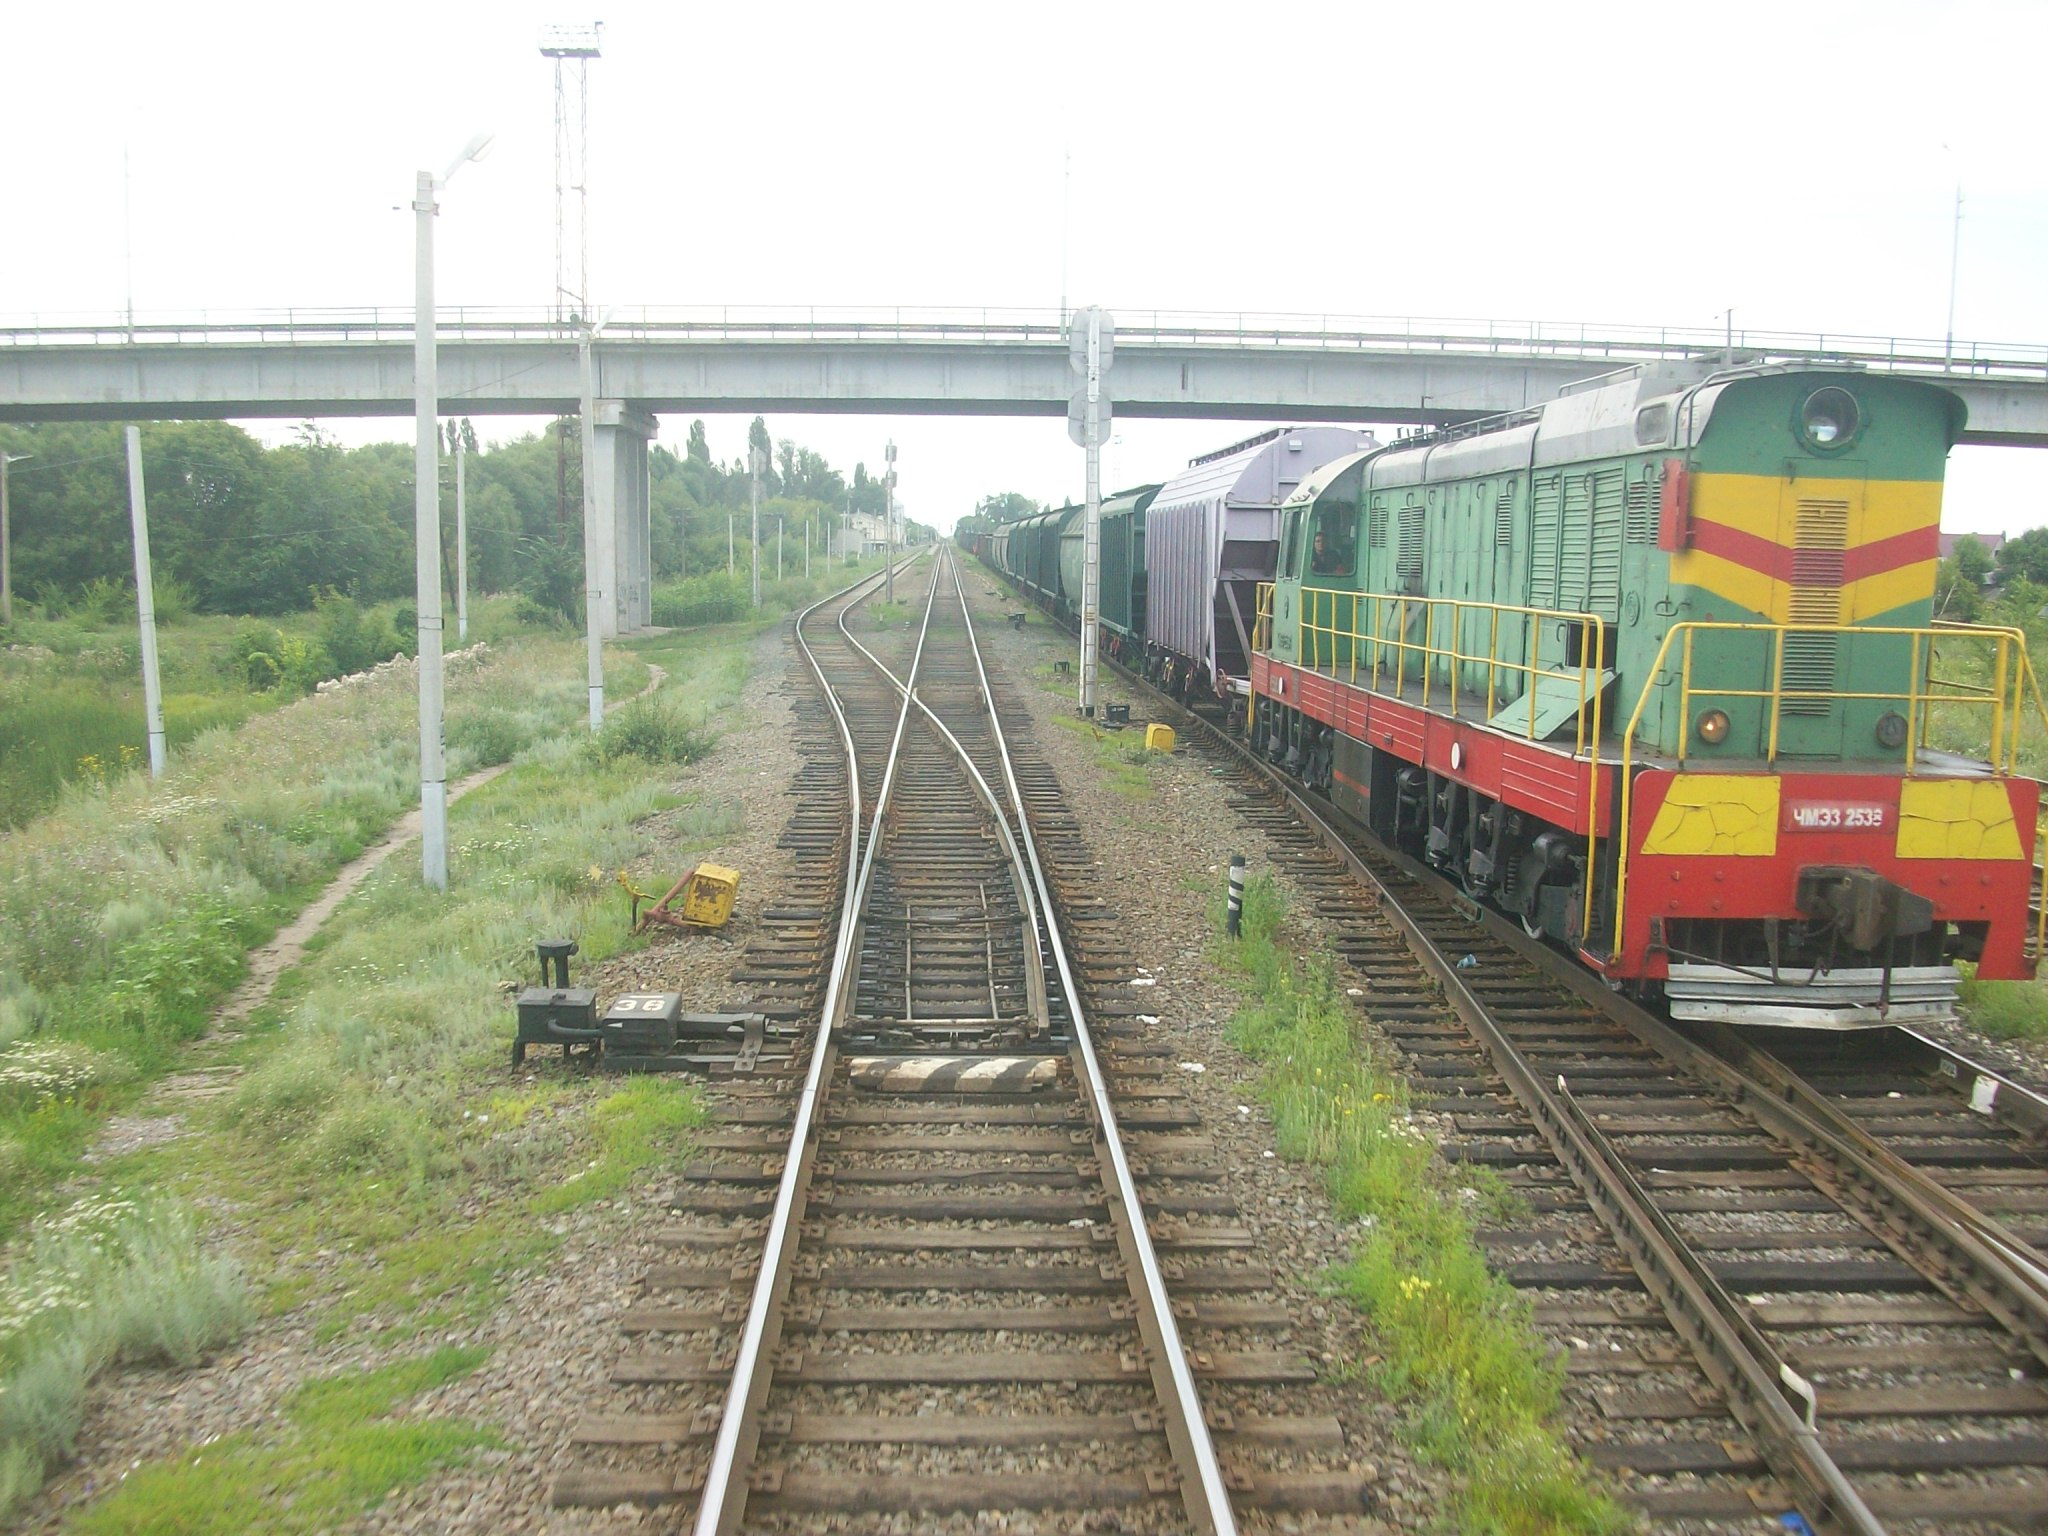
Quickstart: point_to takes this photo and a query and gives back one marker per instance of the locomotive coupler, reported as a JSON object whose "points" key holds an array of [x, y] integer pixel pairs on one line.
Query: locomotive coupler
{"points": [[1864, 909]]}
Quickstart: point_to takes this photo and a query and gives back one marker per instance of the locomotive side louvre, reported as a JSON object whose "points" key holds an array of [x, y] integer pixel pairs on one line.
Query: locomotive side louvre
{"points": [[1717, 586]]}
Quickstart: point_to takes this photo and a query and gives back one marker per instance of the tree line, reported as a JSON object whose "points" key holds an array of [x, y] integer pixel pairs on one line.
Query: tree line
{"points": [[242, 528]]}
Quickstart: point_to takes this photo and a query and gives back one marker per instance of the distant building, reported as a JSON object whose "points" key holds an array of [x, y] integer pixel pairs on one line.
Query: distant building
{"points": [[1990, 541]]}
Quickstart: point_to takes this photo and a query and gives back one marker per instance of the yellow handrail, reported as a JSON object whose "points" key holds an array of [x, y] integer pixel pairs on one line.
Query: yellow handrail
{"points": [[2013, 685], [1318, 617], [1389, 620]]}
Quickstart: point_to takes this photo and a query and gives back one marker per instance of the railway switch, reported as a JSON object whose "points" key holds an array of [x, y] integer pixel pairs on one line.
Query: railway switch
{"points": [[642, 1024], [555, 1013]]}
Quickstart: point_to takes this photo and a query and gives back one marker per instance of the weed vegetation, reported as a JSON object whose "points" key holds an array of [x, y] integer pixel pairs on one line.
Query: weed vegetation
{"points": [[1122, 755], [127, 913], [71, 684], [653, 729], [2007, 1010], [1457, 1344], [109, 1279], [391, 1178]]}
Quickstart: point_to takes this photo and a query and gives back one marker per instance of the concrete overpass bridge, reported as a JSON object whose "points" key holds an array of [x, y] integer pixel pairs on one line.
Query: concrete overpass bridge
{"points": [[982, 362]]}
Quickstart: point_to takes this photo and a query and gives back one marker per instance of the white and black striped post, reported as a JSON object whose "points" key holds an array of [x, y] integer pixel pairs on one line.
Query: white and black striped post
{"points": [[1233, 922]]}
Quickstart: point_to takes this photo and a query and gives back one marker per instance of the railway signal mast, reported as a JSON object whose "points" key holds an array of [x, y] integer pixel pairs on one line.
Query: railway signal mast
{"points": [[1090, 346], [889, 523]]}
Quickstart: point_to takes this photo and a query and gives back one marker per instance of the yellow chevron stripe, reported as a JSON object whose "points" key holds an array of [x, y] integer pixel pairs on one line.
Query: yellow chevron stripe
{"points": [[1751, 590], [1759, 504], [1875, 596], [1745, 588]]}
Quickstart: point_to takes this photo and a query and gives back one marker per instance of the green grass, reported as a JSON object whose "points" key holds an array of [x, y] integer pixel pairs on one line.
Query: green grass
{"points": [[128, 913], [340, 1453], [2007, 1010], [71, 687], [72, 730], [391, 1177], [1457, 1344], [640, 1125]]}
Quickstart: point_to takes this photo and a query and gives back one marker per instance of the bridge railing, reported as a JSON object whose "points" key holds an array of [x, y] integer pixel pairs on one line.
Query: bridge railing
{"points": [[1616, 345]]}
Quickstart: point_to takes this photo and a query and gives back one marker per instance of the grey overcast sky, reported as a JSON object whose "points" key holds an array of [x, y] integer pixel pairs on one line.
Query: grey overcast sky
{"points": [[1621, 163]]}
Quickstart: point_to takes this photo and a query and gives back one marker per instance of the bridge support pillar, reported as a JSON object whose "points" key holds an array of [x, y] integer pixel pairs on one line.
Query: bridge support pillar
{"points": [[624, 552]]}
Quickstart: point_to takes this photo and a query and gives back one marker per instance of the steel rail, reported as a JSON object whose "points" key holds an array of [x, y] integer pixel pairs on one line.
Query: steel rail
{"points": [[1205, 1495], [723, 1503], [1770, 1400], [1901, 1204], [1898, 1202]]}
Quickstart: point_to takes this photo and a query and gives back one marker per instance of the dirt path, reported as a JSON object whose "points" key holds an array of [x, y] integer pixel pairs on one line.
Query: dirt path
{"points": [[268, 963]]}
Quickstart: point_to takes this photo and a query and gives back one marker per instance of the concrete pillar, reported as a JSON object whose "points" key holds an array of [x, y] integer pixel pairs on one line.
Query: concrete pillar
{"points": [[624, 549]]}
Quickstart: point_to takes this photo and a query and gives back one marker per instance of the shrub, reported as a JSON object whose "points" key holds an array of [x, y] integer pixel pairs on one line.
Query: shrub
{"points": [[489, 737], [106, 602], [354, 640], [654, 730], [174, 600]]}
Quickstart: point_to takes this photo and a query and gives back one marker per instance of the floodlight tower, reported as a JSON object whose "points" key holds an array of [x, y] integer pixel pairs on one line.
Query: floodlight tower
{"points": [[572, 156]]}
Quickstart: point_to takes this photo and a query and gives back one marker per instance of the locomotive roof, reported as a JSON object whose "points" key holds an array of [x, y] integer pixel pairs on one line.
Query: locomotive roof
{"points": [[1604, 417]]}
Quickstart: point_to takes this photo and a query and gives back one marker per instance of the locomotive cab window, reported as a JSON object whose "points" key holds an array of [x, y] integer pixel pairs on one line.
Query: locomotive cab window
{"points": [[1333, 527]]}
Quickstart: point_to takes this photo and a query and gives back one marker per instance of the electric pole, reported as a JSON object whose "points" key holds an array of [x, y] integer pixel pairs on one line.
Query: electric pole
{"points": [[145, 606], [7, 540], [756, 458]]}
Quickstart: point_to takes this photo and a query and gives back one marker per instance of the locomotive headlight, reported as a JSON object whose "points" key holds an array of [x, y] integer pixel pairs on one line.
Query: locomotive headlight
{"points": [[1891, 730], [1829, 418], [1712, 727]]}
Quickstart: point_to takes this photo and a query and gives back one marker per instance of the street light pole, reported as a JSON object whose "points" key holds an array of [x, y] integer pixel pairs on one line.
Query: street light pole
{"points": [[461, 541], [593, 593], [7, 540], [427, 522]]}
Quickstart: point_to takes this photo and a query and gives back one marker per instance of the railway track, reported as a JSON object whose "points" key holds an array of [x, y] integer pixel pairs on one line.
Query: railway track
{"points": [[1776, 1284], [960, 1249]]}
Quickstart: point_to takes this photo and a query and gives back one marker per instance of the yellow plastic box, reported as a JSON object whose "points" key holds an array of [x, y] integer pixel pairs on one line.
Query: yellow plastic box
{"points": [[708, 900], [1158, 738]]}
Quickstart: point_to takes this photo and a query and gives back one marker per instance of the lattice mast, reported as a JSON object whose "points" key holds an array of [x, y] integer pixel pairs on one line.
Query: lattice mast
{"points": [[578, 45]]}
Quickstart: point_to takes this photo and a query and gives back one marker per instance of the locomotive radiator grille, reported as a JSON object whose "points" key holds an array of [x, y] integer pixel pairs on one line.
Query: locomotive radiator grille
{"points": [[1819, 556]]}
